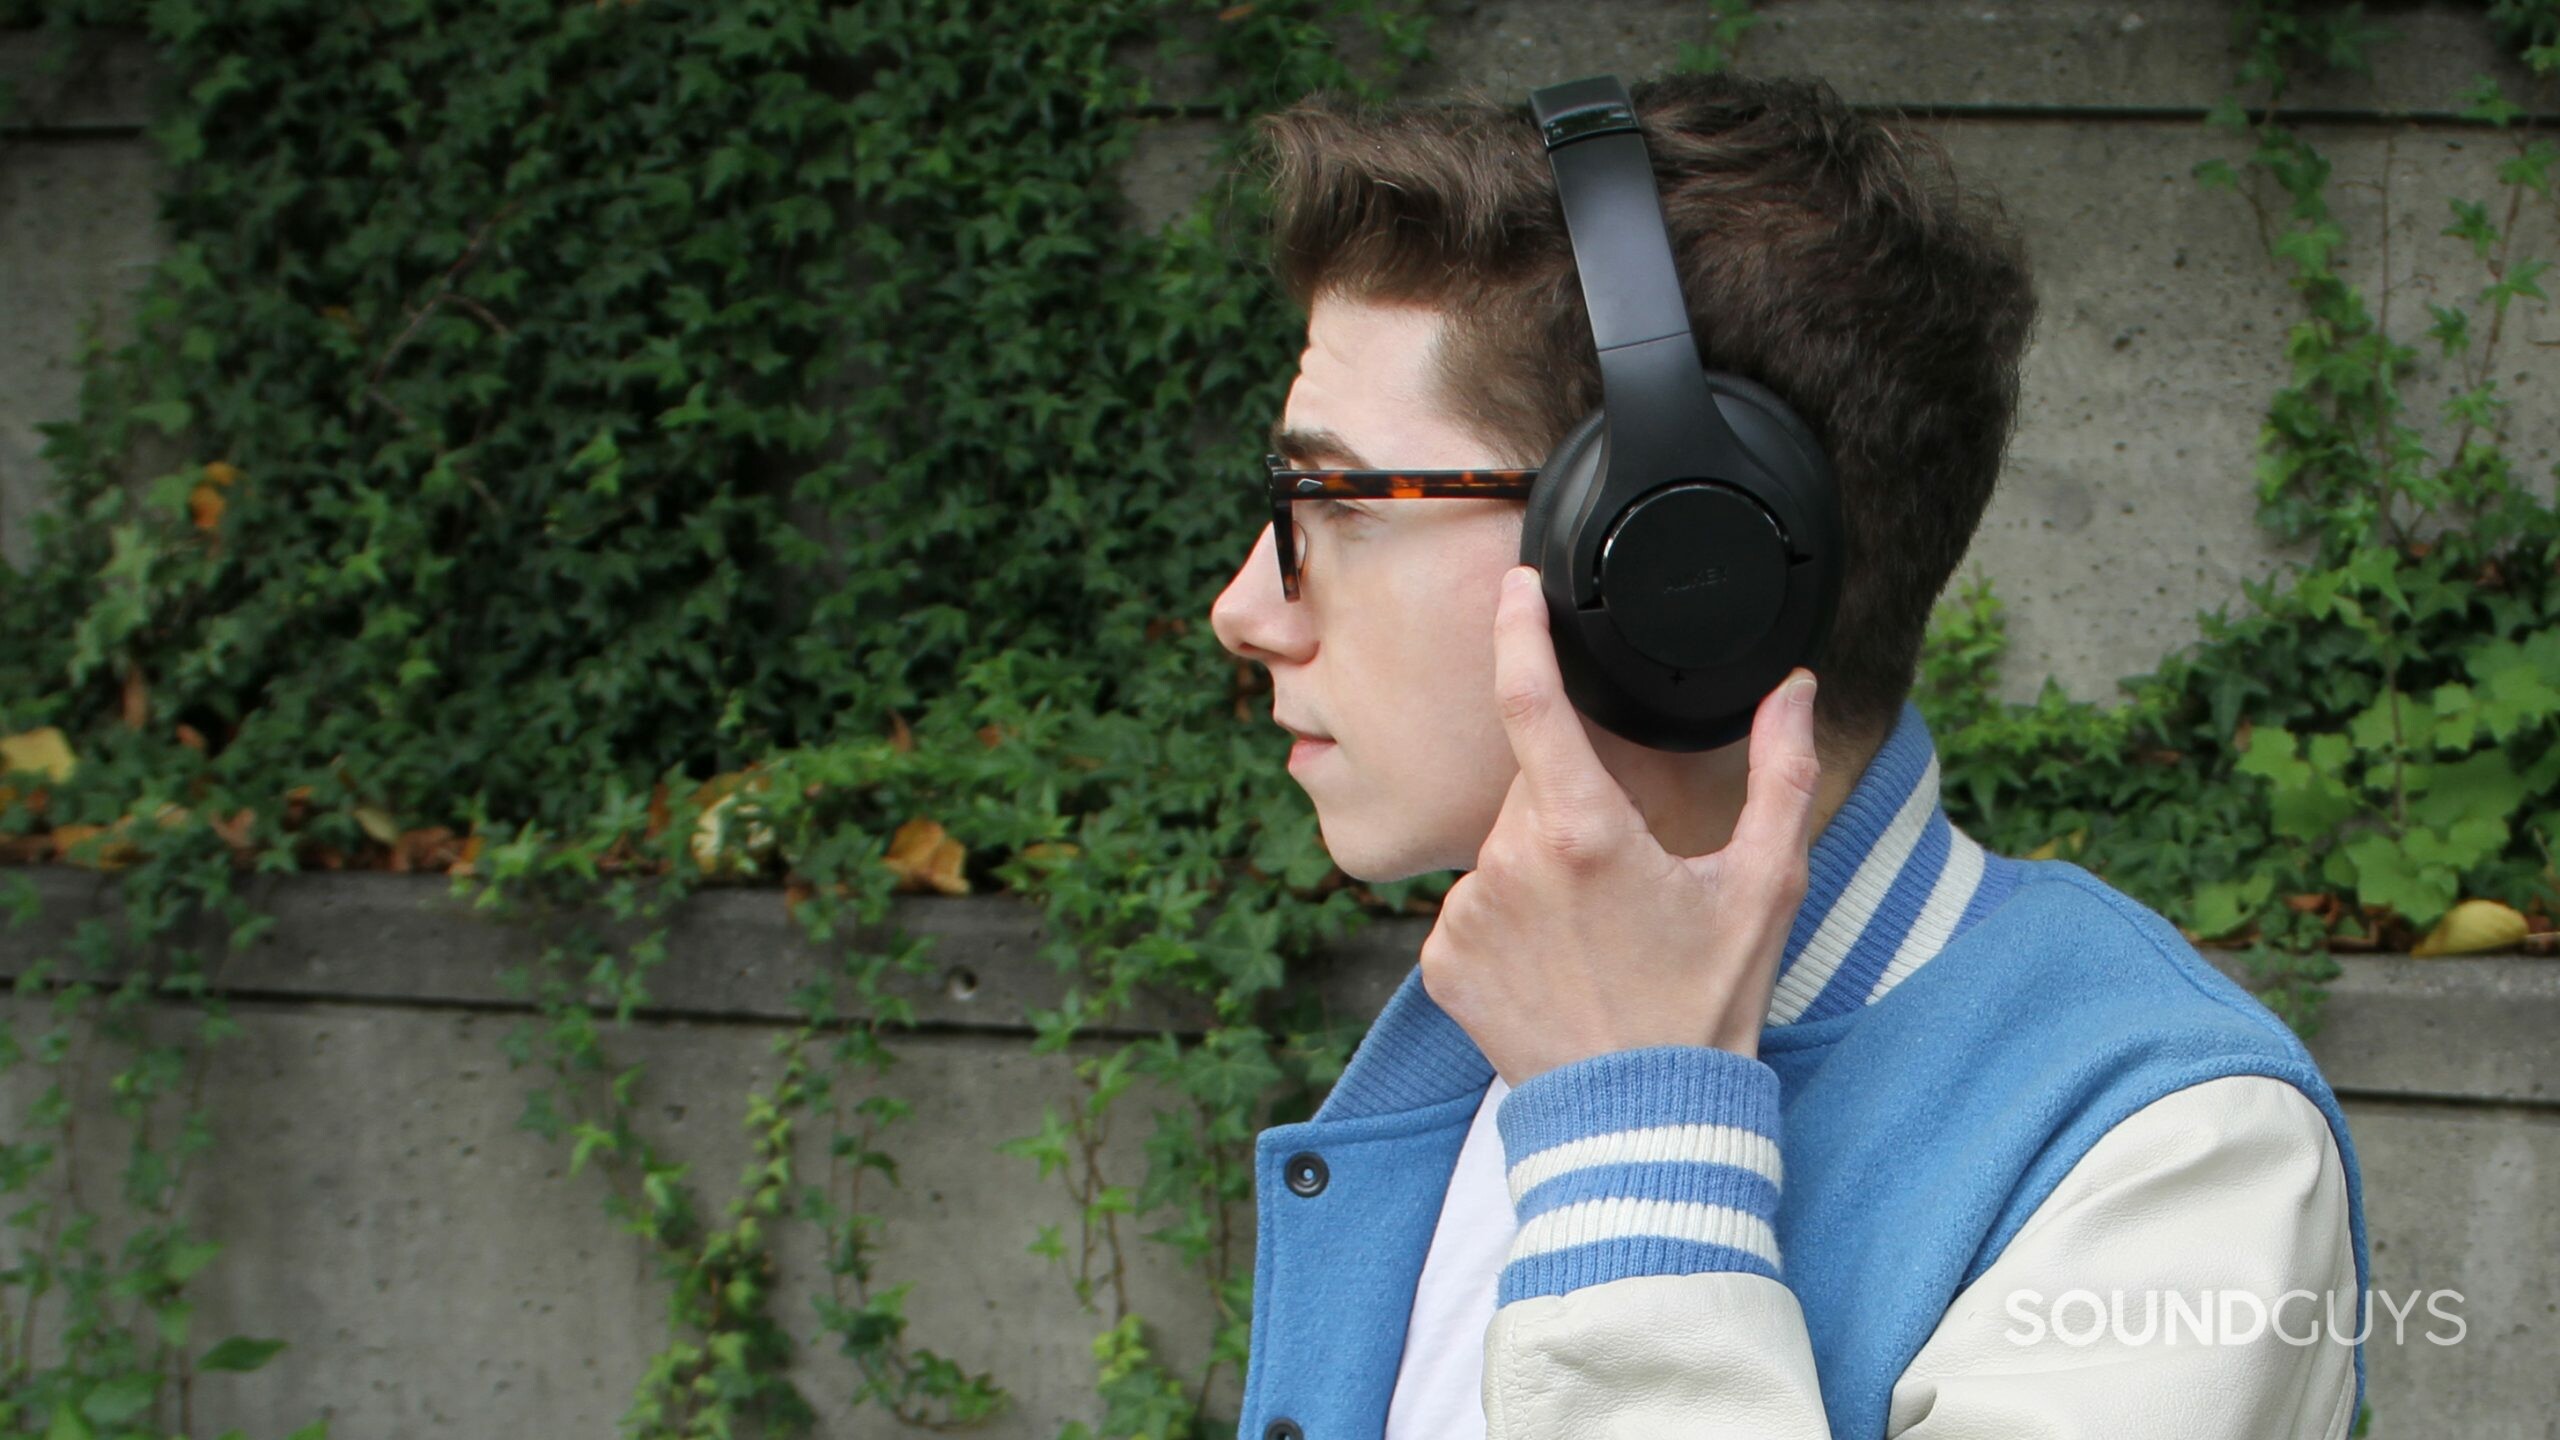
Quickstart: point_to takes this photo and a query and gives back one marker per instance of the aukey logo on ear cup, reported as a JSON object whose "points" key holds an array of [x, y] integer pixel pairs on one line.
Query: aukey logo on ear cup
{"points": [[1712, 575]]}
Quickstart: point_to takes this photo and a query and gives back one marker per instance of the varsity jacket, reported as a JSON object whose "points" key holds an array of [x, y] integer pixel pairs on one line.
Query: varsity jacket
{"points": [[1966, 1056]]}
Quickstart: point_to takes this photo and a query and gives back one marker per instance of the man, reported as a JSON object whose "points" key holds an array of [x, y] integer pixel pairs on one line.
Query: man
{"points": [[1677, 1129]]}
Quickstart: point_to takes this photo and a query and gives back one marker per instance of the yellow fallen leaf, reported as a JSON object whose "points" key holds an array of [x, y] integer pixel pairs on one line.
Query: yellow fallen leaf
{"points": [[923, 858], [42, 750], [377, 822], [2471, 927], [914, 841], [112, 853]]}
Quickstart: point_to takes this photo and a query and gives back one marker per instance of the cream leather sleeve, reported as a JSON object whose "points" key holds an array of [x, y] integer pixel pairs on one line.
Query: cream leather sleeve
{"points": [[2234, 1184], [2231, 1185]]}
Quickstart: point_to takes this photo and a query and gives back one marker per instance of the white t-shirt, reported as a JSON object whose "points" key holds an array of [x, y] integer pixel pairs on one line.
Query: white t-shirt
{"points": [[1439, 1392]]}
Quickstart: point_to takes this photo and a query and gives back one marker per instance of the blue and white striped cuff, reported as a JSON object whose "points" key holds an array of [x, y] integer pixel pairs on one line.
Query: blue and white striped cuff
{"points": [[1658, 1161]]}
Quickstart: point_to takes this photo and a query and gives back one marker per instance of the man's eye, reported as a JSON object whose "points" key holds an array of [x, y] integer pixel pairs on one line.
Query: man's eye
{"points": [[1332, 509]]}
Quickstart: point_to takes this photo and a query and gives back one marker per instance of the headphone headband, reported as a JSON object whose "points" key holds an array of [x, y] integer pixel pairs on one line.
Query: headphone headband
{"points": [[1613, 212]]}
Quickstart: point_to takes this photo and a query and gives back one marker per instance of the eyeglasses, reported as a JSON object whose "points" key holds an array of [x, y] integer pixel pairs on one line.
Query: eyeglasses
{"points": [[1287, 485]]}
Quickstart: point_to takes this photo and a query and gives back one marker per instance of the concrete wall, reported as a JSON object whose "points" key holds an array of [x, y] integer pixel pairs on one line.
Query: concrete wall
{"points": [[438, 1274]]}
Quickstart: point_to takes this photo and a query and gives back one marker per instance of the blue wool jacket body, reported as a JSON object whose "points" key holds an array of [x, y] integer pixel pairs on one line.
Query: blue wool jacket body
{"points": [[1917, 1132]]}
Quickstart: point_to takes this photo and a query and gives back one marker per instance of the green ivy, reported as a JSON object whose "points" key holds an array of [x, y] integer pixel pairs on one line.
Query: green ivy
{"points": [[625, 447]]}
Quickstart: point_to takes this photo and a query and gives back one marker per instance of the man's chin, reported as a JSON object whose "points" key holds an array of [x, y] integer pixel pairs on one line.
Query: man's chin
{"points": [[1380, 859]]}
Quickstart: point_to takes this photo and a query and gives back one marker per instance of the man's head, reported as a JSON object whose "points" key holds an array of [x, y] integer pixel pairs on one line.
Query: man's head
{"points": [[1828, 255]]}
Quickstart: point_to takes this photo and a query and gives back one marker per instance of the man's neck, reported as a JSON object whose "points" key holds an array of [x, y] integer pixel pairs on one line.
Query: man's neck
{"points": [[1690, 801]]}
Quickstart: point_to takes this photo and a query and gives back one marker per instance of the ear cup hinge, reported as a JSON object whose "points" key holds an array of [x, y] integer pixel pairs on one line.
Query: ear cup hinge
{"points": [[1579, 109]]}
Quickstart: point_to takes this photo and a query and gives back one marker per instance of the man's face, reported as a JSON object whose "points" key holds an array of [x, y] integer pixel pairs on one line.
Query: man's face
{"points": [[1388, 651]]}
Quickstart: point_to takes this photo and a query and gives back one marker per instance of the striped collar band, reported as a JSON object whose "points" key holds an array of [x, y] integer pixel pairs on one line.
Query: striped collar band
{"points": [[1891, 882]]}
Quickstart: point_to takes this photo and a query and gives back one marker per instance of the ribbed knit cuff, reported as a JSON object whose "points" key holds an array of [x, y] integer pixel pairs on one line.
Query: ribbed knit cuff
{"points": [[1658, 1161]]}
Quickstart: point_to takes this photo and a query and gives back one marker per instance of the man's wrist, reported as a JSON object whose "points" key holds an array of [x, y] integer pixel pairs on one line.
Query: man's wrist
{"points": [[1655, 1161]]}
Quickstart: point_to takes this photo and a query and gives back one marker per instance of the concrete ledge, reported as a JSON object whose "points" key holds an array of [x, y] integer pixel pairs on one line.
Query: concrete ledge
{"points": [[2472, 1029], [437, 1273]]}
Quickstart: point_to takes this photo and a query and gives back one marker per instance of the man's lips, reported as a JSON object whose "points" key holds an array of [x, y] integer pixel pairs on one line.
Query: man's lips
{"points": [[1307, 750]]}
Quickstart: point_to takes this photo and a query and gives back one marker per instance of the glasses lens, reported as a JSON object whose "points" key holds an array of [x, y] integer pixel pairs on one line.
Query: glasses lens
{"points": [[1290, 539]]}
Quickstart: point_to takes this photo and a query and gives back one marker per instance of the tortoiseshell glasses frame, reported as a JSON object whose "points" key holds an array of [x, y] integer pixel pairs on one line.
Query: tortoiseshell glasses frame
{"points": [[1287, 485]]}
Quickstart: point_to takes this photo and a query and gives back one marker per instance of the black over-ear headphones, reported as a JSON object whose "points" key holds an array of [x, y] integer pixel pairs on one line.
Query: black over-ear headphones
{"points": [[1687, 534]]}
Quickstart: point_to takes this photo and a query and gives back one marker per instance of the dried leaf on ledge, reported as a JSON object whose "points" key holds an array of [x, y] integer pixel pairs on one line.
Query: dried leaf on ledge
{"points": [[924, 858], [2472, 927]]}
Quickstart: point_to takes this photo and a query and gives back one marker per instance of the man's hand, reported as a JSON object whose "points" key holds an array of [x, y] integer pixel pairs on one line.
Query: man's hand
{"points": [[1577, 934]]}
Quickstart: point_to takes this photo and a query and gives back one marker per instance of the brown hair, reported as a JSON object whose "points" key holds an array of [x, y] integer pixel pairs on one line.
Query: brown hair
{"points": [[1828, 255]]}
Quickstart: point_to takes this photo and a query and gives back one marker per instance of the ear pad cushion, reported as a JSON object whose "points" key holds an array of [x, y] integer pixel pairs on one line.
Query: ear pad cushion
{"points": [[1570, 459], [1567, 466], [1729, 388]]}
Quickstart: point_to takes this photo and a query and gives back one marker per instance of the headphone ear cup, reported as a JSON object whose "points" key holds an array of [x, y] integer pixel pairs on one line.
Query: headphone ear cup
{"points": [[1566, 468], [1739, 398]]}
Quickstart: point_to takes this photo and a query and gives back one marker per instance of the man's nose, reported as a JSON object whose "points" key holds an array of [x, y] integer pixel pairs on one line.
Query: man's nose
{"points": [[1253, 619]]}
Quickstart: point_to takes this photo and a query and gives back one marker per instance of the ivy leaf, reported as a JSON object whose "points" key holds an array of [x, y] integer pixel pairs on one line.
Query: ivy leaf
{"points": [[186, 1259], [68, 1425], [2530, 167], [120, 1399], [2486, 102], [2482, 786], [172, 1319], [2307, 802], [1049, 1148], [240, 1353], [2471, 222], [2225, 906], [2517, 281], [2518, 685], [2456, 719], [2380, 727], [2452, 330], [169, 416], [2309, 247], [2388, 875]]}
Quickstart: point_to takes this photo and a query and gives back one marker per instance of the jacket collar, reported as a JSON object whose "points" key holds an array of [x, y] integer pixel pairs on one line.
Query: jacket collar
{"points": [[1890, 882]]}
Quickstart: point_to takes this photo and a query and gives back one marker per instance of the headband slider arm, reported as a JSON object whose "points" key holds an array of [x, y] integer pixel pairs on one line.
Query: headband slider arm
{"points": [[1580, 109]]}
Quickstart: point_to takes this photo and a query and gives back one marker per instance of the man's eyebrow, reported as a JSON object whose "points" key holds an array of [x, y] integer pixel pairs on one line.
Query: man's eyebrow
{"points": [[1300, 445]]}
